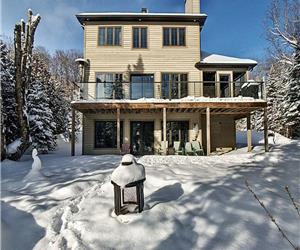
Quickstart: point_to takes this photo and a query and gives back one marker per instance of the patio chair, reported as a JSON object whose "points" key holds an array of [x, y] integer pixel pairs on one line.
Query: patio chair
{"points": [[197, 148], [188, 149], [161, 149], [177, 148]]}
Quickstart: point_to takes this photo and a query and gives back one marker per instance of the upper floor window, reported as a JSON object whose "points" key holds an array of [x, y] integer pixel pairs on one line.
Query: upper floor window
{"points": [[174, 36], [109, 36], [224, 85], [109, 86], [140, 38], [174, 85], [209, 84], [142, 86]]}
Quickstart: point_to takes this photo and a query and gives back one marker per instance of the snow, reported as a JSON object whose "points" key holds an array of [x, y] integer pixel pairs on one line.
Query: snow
{"points": [[190, 202], [208, 58], [35, 172], [188, 99], [128, 171], [13, 147]]}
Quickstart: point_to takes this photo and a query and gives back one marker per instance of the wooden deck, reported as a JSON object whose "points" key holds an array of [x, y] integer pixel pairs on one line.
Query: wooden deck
{"points": [[234, 108]]}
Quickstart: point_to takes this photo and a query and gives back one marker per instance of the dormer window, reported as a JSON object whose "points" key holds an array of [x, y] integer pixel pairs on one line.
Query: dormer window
{"points": [[174, 37], [109, 36]]}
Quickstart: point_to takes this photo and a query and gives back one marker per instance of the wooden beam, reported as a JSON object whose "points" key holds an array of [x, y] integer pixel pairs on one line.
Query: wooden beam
{"points": [[165, 131], [208, 145], [82, 106], [249, 133], [266, 130], [73, 139], [118, 130]]}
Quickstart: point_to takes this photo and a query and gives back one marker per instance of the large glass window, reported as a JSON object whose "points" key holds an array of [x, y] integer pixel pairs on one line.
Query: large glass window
{"points": [[140, 38], [177, 131], [109, 86], [224, 85], [239, 78], [109, 36], [142, 86], [209, 84], [174, 37], [106, 134], [174, 85]]}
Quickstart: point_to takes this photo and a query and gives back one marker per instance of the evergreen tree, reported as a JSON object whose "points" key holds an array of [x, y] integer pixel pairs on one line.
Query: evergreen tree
{"points": [[291, 105], [40, 116], [9, 120]]}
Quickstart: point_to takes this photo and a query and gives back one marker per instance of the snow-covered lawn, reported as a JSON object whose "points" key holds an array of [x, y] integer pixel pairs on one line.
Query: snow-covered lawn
{"points": [[190, 202]]}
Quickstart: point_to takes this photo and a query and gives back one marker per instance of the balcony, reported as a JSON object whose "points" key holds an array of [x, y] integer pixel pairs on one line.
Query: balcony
{"points": [[169, 90]]}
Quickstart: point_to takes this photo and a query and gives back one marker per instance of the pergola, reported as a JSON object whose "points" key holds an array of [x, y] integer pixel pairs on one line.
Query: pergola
{"points": [[238, 109]]}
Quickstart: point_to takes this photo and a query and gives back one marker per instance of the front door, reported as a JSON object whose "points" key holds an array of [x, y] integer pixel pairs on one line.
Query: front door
{"points": [[141, 86], [142, 138]]}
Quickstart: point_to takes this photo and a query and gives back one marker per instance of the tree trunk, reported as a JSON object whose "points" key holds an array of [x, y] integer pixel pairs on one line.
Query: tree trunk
{"points": [[24, 38]]}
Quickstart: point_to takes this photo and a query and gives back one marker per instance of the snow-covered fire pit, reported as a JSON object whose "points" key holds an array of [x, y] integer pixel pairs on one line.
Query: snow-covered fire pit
{"points": [[128, 181]]}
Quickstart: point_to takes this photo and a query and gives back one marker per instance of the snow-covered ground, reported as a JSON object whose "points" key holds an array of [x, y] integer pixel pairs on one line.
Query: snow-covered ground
{"points": [[190, 202]]}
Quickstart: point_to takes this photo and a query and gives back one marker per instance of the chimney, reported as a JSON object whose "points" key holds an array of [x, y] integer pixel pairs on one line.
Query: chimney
{"points": [[144, 10], [192, 6]]}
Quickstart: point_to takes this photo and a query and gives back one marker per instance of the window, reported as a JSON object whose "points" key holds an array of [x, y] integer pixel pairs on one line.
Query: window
{"points": [[174, 85], [106, 134], [209, 84], [140, 38], [109, 36], [174, 36], [142, 86], [239, 78], [224, 86], [109, 86], [177, 131]]}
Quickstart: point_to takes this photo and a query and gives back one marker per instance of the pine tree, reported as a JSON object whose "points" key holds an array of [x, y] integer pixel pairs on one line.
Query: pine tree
{"points": [[9, 121], [40, 116], [291, 105], [276, 85]]}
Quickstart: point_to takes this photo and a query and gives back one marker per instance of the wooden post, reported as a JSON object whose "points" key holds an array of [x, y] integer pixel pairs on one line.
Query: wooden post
{"points": [[208, 145], [249, 133], [165, 131], [73, 134], [118, 130], [266, 130]]}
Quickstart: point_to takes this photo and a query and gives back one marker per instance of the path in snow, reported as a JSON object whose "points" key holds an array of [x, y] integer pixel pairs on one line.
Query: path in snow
{"points": [[190, 202]]}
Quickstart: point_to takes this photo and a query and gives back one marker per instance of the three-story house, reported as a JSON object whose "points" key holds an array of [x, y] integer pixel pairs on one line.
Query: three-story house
{"points": [[146, 84]]}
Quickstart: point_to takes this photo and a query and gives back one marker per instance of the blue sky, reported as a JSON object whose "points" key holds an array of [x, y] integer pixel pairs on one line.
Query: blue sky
{"points": [[233, 27]]}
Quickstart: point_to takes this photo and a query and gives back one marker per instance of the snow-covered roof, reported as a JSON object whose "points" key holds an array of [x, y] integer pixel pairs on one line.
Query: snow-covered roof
{"points": [[127, 16], [215, 59]]}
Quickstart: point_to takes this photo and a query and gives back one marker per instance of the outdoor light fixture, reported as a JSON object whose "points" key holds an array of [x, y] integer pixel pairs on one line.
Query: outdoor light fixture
{"points": [[128, 181]]}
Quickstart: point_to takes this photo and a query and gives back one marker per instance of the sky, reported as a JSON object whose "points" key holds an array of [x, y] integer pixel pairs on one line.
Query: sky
{"points": [[233, 27]]}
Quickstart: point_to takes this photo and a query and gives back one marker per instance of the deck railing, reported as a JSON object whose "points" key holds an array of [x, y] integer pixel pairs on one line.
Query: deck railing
{"points": [[120, 90]]}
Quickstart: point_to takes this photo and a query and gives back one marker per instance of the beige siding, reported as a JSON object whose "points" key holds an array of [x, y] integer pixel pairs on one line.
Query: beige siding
{"points": [[154, 60]]}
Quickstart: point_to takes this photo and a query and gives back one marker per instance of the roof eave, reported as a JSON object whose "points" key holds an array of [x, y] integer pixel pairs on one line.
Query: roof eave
{"points": [[142, 18], [250, 66]]}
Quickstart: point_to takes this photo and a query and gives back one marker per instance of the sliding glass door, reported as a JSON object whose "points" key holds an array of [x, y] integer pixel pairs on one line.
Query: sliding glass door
{"points": [[142, 137], [142, 86]]}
